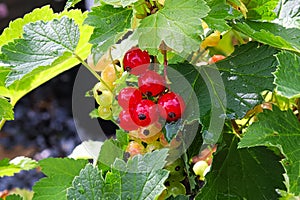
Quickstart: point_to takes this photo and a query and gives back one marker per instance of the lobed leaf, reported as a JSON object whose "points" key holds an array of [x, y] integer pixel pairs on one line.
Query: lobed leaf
{"points": [[247, 73], [252, 173], [271, 34], [43, 43], [243, 78], [60, 173], [218, 15], [279, 129], [142, 177], [109, 24], [288, 74], [170, 25], [42, 74]]}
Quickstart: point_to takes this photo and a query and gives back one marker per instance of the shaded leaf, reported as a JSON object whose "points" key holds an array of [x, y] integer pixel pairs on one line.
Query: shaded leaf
{"points": [[218, 14], [60, 173], [109, 25], [288, 75], [272, 34], [170, 25], [179, 197], [279, 129], [237, 81], [247, 73], [252, 173], [6, 110]]}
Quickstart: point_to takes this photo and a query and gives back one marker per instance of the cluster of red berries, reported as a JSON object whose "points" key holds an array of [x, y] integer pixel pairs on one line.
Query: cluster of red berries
{"points": [[149, 102]]}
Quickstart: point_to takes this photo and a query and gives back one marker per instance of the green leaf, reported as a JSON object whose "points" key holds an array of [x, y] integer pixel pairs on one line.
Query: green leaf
{"points": [[15, 28], [179, 197], [178, 24], [110, 23], [9, 168], [288, 14], [41, 75], [123, 138], [244, 79], [171, 129], [71, 3], [247, 73], [122, 3], [279, 129], [252, 173], [219, 13], [88, 185], [288, 74], [272, 34], [6, 110], [60, 173], [94, 114], [14, 197], [43, 43], [110, 151], [142, 177], [261, 9]]}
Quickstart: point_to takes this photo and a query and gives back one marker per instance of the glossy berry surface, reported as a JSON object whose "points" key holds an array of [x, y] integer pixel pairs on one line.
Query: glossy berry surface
{"points": [[129, 95], [151, 133], [105, 112], [171, 106], [126, 122], [144, 113], [109, 74], [136, 61], [151, 83], [135, 148]]}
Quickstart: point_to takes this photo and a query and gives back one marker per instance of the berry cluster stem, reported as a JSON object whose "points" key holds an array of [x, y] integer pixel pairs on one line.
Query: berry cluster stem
{"points": [[112, 61], [164, 52], [2, 122], [93, 72]]}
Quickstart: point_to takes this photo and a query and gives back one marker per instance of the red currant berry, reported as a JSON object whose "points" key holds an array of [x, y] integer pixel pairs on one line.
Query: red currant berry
{"points": [[144, 113], [126, 122], [151, 83], [171, 106], [136, 61], [129, 95], [216, 58]]}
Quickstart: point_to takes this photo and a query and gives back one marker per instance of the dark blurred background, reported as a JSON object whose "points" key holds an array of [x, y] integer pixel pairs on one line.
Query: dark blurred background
{"points": [[43, 125]]}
